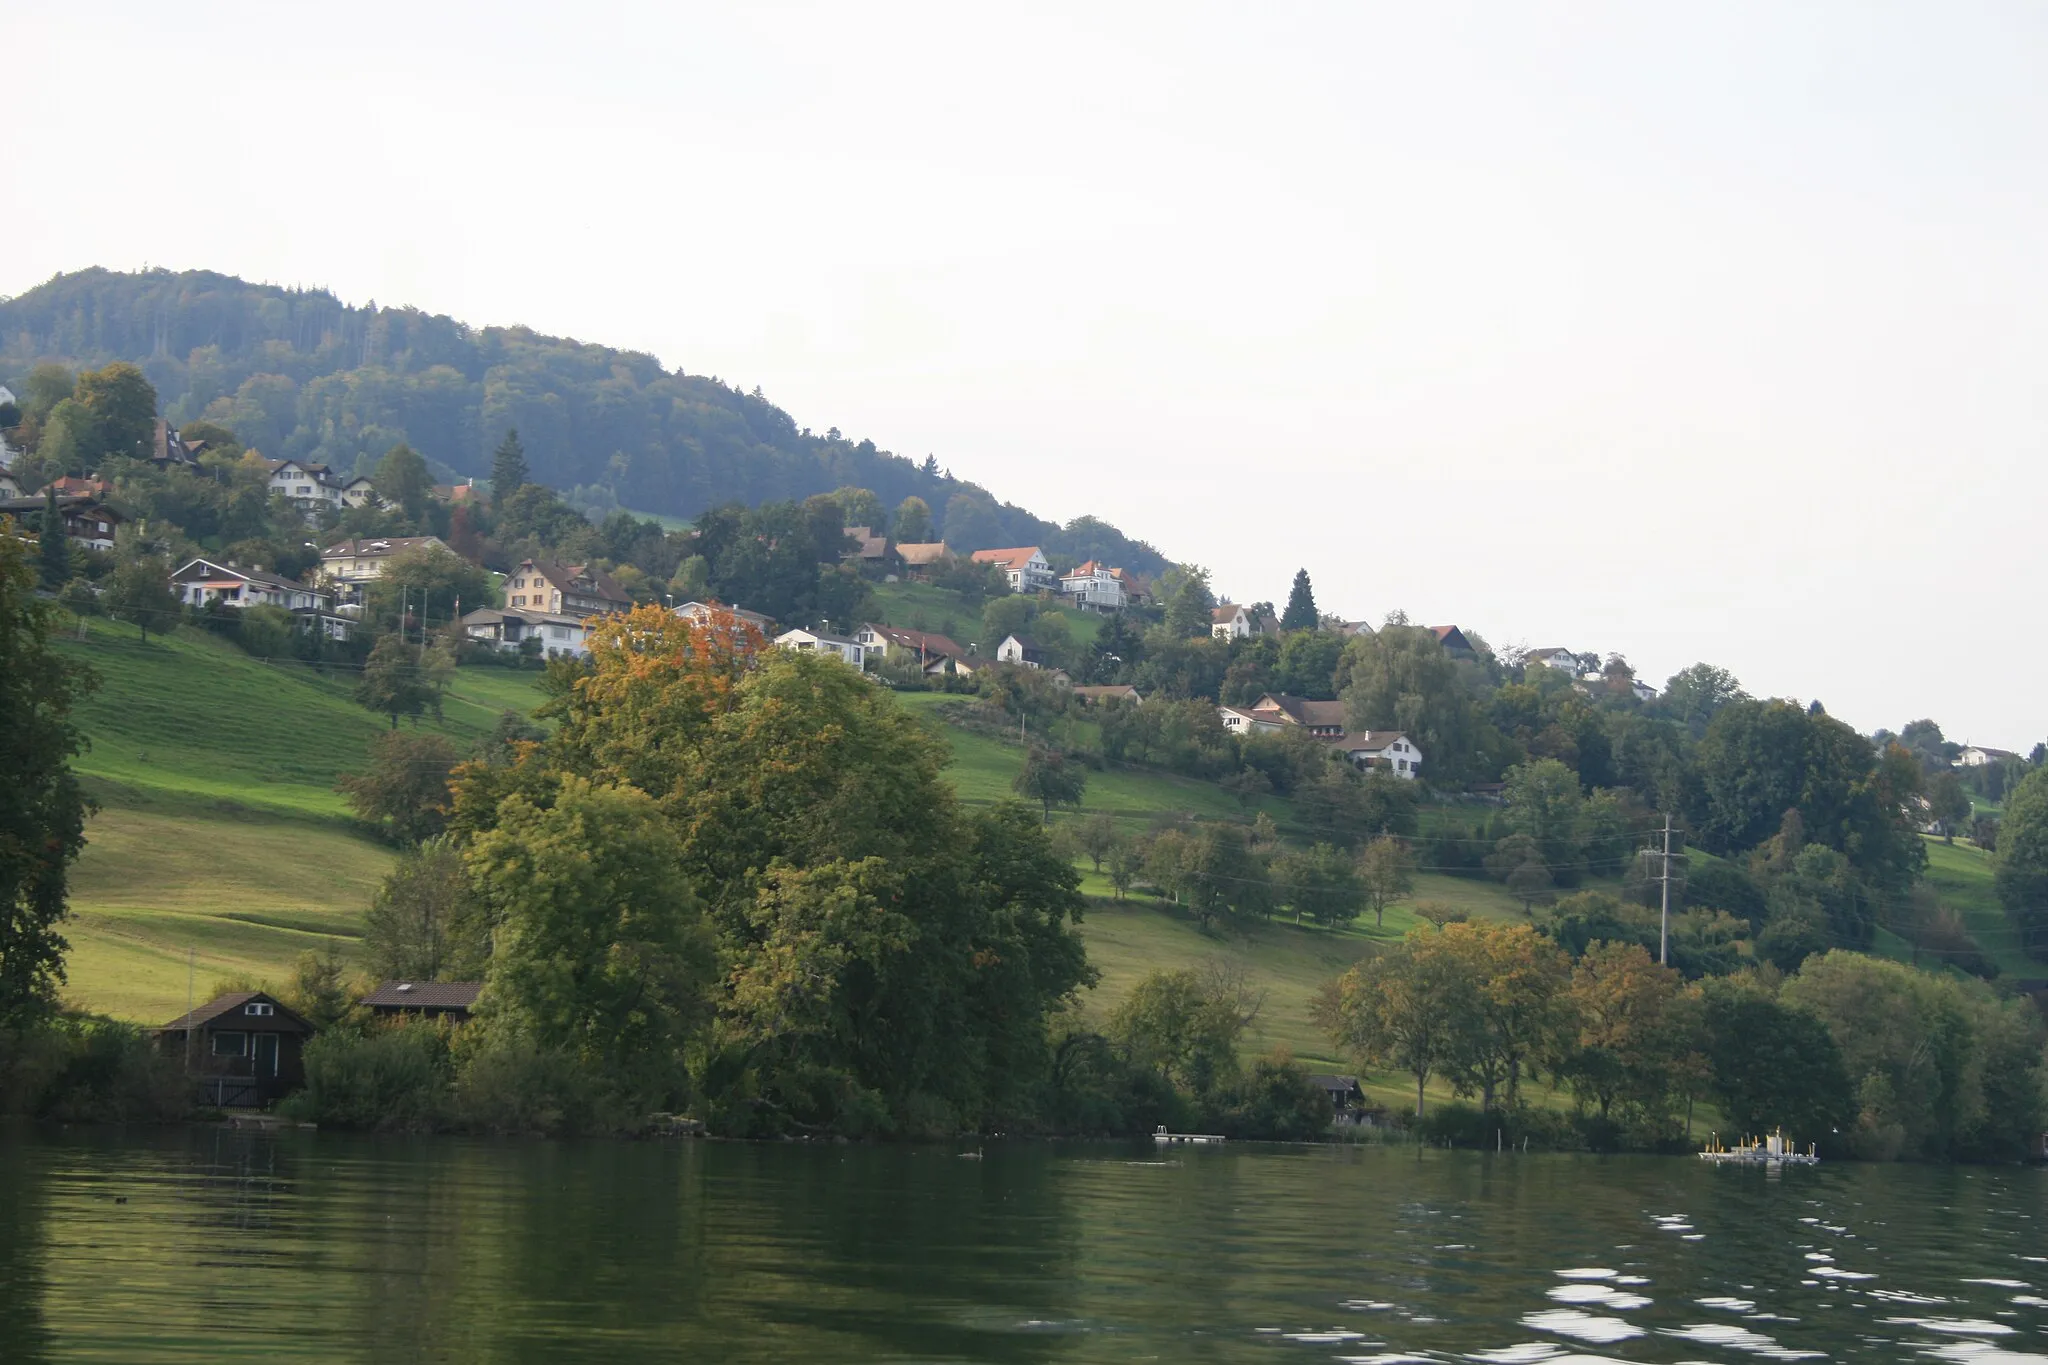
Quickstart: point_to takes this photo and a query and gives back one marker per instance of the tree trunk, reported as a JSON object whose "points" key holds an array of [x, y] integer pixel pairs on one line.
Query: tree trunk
{"points": [[1419, 1077]]}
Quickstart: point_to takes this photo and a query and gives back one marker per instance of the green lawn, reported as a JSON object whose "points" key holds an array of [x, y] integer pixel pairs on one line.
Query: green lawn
{"points": [[1960, 875], [920, 606]]}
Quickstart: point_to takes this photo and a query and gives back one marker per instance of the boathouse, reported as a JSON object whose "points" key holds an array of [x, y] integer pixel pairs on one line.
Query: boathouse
{"points": [[246, 1048], [452, 1000]]}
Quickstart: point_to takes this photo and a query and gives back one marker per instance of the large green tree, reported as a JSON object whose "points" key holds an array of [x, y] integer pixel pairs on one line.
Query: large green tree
{"points": [[394, 681], [139, 592], [42, 809], [2022, 875], [402, 477], [404, 787], [1402, 679], [1050, 778], [508, 468], [1301, 611], [120, 410]]}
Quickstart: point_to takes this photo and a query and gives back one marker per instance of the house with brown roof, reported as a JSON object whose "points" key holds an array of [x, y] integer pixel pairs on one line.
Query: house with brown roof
{"points": [[1387, 750], [512, 629], [564, 589], [885, 641], [1279, 713], [204, 582], [1230, 621], [348, 564], [1021, 650], [246, 1048], [1025, 566], [1109, 694], [921, 557], [1452, 639], [87, 520], [867, 547], [454, 1000], [1554, 656], [1323, 719]]}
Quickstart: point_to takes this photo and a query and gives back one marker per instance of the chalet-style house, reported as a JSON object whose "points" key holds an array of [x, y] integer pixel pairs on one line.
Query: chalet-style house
{"points": [[564, 589], [246, 1048], [822, 642], [510, 628], [1452, 639], [1111, 694], [1348, 1100], [167, 448], [203, 582], [453, 1000], [315, 487], [87, 520], [921, 557], [1551, 656], [956, 666], [1276, 712], [867, 547], [1095, 586], [1025, 566], [888, 642], [75, 486], [349, 564], [1020, 650]]}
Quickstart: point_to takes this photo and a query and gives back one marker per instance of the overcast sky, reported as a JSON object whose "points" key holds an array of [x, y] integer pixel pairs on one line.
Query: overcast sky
{"points": [[1693, 332]]}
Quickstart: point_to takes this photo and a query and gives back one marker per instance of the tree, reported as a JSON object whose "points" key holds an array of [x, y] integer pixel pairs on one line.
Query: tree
{"points": [[394, 682], [1222, 876], [913, 521], [601, 947], [424, 923], [1772, 1066], [1386, 874], [1518, 978], [1048, 778], [405, 787], [140, 593], [42, 809], [1543, 802], [1184, 1024], [425, 585], [1693, 695], [1401, 678], [1099, 837], [1190, 606], [508, 468], [1948, 804], [1301, 613], [319, 990], [120, 410], [1321, 883], [1406, 1007], [1440, 913], [860, 507], [1247, 785], [1621, 1044], [1124, 865], [402, 478], [52, 545]]}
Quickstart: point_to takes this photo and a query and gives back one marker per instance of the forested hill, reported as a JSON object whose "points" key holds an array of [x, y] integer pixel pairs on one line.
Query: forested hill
{"points": [[296, 372]]}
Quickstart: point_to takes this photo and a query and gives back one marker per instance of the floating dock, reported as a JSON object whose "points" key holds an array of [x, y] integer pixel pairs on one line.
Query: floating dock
{"points": [[1164, 1138], [1770, 1151]]}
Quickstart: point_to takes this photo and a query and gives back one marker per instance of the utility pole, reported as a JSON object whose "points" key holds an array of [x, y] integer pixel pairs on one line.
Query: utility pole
{"points": [[1664, 915]]}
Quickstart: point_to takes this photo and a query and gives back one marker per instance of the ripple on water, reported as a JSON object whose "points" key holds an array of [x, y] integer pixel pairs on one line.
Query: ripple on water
{"points": [[1601, 1294], [1732, 1305], [1589, 1272], [1570, 1322], [1982, 1353], [1738, 1339], [1962, 1327]]}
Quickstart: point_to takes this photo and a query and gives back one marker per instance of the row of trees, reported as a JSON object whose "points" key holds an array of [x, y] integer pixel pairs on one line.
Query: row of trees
{"points": [[1855, 1053]]}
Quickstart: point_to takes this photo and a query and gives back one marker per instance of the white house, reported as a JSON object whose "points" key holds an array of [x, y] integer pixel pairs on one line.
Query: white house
{"points": [[9, 488], [1026, 567], [1021, 650], [314, 486], [349, 564], [202, 582], [1553, 657], [508, 628], [818, 642], [1232, 622], [1644, 692], [1095, 586], [1390, 750], [881, 641], [1978, 756]]}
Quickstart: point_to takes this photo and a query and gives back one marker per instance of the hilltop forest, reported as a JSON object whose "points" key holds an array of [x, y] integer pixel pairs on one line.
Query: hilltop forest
{"points": [[297, 373]]}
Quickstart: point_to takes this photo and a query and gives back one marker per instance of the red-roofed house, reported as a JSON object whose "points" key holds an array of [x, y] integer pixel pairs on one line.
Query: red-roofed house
{"points": [[1026, 567], [1097, 586]]}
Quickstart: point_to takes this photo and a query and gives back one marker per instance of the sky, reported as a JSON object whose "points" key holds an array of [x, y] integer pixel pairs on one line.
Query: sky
{"points": [[1689, 332]]}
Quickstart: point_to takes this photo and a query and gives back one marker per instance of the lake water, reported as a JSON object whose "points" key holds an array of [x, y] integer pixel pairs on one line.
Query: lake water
{"points": [[318, 1247]]}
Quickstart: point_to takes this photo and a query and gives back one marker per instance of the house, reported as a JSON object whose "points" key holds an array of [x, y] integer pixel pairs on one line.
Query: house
{"points": [[455, 494], [453, 1000], [1240, 720], [1348, 1099], [314, 487], [1232, 622], [1553, 657], [921, 558], [1114, 694], [10, 487], [883, 641], [167, 448], [1020, 650], [564, 589], [1096, 586], [1323, 719], [1026, 567], [509, 628], [202, 582], [71, 486], [87, 520], [1452, 639], [1642, 691], [1389, 750], [1979, 756], [704, 613], [246, 1048], [349, 564], [819, 642], [955, 665], [1350, 630], [867, 547]]}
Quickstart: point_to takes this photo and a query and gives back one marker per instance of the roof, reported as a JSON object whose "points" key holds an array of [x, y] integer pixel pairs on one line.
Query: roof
{"points": [[922, 552], [1549, 650], [1014, 558], [1450, 637], [822, 637], [226, 1004], [376, 547], [1108, 690], [1325, 1081], [1024, 642], [69, 502], [577, 578], [425, 995], [490, 616], [1301, 710], [1369, 741], [699, 611], [231, 573], [872, 546], [923, 640], [1229, 611]]}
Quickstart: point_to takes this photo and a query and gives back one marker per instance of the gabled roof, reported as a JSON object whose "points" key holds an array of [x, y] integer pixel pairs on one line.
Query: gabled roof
{"points": [[872, 546], [1015, 558], [1450, 637], [701, 612], [227, 1004], [922, 553], [425, 995], [1368, 741], [216, 571], [1227, 613], [376, 547], [1301, 710], [821, 636], [1024, 642], [1108, 691], [922, 640], [576, 578]]}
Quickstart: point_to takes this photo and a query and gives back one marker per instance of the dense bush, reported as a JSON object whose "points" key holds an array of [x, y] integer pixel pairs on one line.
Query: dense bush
{"points": [[82, 1070]]}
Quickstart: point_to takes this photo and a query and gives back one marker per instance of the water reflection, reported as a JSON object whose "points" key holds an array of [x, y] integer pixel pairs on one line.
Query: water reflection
{"points": [[318, 1247]]}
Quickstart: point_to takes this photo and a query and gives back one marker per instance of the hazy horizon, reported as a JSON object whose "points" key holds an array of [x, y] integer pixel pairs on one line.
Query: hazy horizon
{"points": [[1696, 336]]}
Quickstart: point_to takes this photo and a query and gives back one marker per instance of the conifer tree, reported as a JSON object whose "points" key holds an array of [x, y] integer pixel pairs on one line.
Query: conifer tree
{"points": [[54, 559], [508, 467], [1301, 605]]}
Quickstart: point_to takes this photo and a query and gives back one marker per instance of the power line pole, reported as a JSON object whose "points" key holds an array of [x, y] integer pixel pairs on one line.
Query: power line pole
{"points": [[1664, 915]]}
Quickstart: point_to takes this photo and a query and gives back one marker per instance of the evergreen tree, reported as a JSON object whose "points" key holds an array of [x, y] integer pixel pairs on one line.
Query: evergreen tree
{"points": [[508, 467], [1301, 605], [55, 549]]}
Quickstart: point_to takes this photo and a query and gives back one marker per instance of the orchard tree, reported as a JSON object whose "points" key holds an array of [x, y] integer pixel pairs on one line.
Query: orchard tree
{"points": [[405, 786], [1386, 874], [394, 682], [140, 593], [1050, 779]]}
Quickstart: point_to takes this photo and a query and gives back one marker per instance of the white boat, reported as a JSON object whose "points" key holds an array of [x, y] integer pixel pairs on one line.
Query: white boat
{"points": [[1770, 1151]]}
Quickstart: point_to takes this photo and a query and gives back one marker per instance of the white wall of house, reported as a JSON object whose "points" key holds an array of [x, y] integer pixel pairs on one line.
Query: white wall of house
{"points": [[1011, 651], [817, 642], [1099, 588], [1236, 626]]}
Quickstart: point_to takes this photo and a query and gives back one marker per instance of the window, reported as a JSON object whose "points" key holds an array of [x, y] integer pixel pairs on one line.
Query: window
{"points": [[519, 601], [230, 1044], [259, 1008], [559, 632]]}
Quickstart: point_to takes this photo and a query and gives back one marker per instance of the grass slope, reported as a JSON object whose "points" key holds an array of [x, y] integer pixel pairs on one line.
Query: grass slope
{"points": [[1961, 876], [920, 606]]}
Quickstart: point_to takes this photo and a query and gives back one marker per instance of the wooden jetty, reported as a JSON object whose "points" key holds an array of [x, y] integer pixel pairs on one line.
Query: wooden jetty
{"points": [[1770, 1151], [1164, 1138]]}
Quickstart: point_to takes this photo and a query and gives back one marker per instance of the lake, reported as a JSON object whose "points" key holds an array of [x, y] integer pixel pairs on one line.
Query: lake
{"points": [[321, 1247]]}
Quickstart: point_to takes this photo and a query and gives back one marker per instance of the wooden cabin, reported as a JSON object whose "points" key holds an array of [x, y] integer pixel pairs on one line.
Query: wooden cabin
{"points": [[246, 1048], [424, 999]]}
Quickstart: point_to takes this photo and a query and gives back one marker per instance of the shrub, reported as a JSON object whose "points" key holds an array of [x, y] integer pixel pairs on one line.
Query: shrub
{"points": [[515, 1087], [83, 1070], [1276, 1101], [393, 1079]]}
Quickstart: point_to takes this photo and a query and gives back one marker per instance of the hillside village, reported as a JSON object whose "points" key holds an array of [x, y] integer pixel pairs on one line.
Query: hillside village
{"points": [[1342, 766]]}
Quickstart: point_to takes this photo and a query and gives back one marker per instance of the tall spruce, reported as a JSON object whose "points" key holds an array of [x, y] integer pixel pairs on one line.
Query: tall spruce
{"points": [[508, 467], [42, 810], [54, 549], [1301, 605]]}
